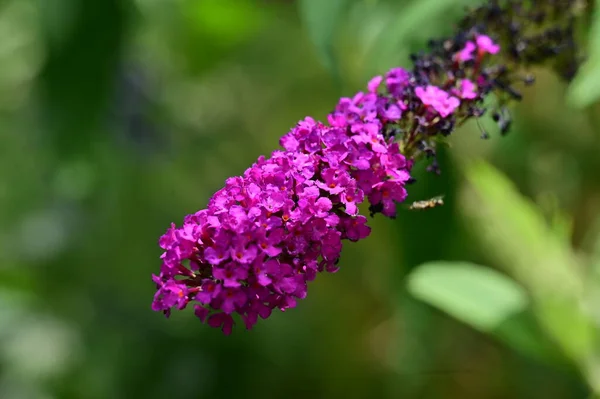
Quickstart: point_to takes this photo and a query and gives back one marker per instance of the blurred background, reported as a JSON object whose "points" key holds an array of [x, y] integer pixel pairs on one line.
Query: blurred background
{"points": [[119, 117]]}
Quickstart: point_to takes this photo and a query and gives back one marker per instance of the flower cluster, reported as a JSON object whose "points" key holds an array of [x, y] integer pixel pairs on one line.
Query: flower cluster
{"points": [[270, 231]]}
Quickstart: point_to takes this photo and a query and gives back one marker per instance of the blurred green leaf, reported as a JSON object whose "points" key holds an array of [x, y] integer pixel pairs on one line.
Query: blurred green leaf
{"points": [[478, 296], [517, 233], [514, 231], [585, 88], [320, 19]]}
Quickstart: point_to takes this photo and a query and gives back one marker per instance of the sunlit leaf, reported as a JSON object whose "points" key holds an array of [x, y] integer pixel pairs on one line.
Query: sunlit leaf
{"points": [[585, 89], [478, 296], [515, 233]]}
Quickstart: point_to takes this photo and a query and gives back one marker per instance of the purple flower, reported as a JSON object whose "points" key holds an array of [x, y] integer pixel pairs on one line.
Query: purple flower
{"points": [[168, 239], [322, 207], [438, 99], [169, 294], [222, 320], [393, 112], [396, 80], [201, 312], [230, 274], [289, 142], [286, 285], [259, 269], [356, 228], [208, 291], [231, 298], [466, 53], [256, 308], [334, 180], [317, 228], [243, 252], [486, 45], [360, 157], [467, 89], [332, 245], [429, 95], [368, 133], [447, 106], [374, 84], [350, 198], [388, 193], [216, 254], [268, 243]]}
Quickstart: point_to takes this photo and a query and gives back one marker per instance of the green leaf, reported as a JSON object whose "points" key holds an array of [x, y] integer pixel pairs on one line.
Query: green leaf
{"points": [[487, 301], [514, 232], [585, 88], [517, 235], [476, 295], [321, 19]]}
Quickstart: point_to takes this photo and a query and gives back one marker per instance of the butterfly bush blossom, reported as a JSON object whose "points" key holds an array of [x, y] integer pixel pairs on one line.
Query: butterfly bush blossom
{"points": [[269, 232]]}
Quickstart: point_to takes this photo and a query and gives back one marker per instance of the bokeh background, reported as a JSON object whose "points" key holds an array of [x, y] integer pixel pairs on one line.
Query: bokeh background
{"points": [[119, 117]]}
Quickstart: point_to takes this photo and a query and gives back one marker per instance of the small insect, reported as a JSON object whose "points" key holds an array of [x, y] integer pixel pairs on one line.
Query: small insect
{"points": [[427, 204]]}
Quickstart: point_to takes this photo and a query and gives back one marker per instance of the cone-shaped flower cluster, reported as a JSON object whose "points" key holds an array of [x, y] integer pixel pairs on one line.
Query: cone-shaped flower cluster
{"points": [[273, 229], [268, 232]]}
